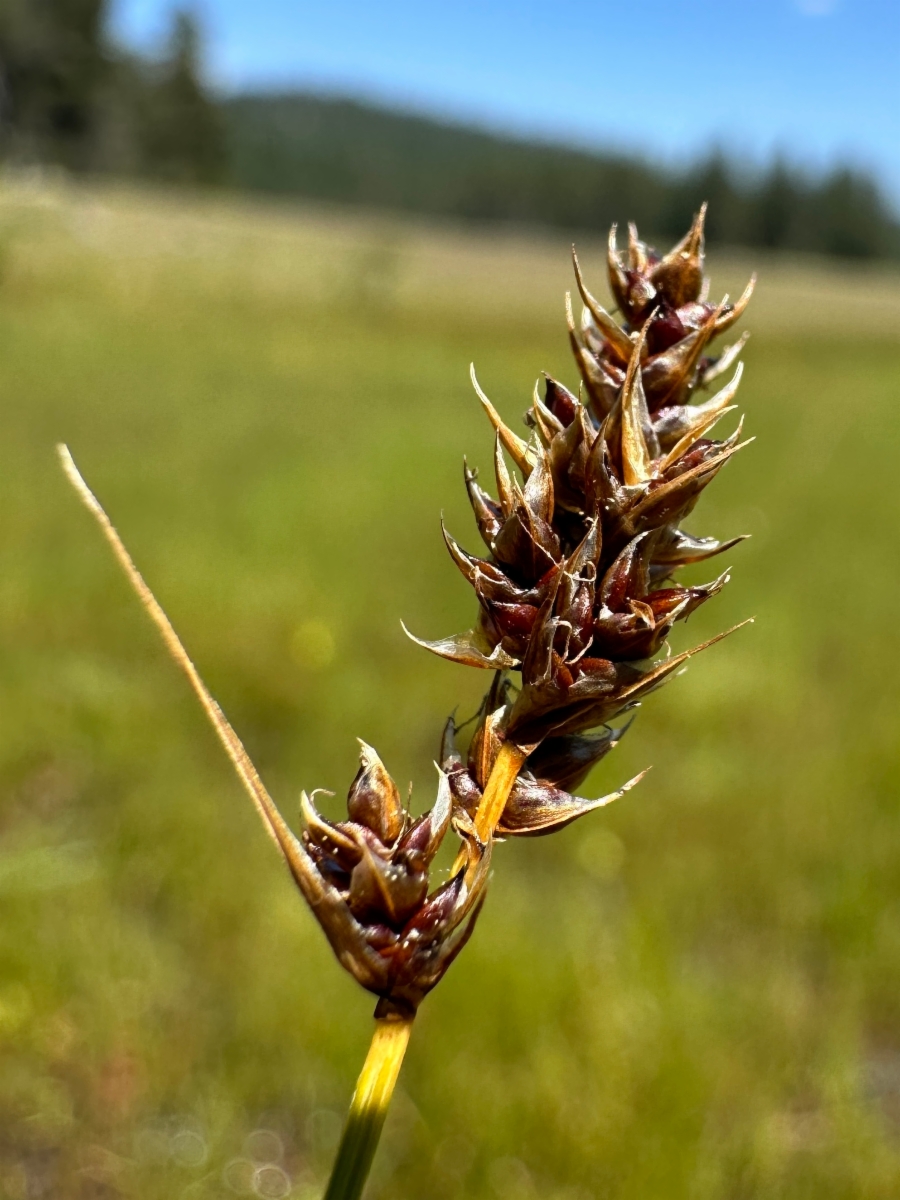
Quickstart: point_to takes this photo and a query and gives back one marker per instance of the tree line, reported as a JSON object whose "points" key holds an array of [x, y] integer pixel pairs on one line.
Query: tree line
{"points": [[69, 96], [336, 149]]}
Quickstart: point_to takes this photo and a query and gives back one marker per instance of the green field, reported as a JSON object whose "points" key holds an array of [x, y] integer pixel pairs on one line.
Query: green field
{"points": [[694, 994]]}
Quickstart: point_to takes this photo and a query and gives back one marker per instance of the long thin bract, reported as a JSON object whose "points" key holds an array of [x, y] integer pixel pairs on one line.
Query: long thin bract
{"points": [[234, 748]]}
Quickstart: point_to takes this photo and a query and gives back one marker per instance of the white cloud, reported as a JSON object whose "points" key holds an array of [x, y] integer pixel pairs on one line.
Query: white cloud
{"points": [[816, 8]]}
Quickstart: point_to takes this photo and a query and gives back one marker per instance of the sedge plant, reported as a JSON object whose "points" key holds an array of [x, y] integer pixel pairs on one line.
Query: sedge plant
{"points": [[576, 595]]}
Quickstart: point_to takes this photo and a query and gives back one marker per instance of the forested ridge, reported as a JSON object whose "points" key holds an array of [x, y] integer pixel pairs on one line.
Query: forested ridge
{"points": [[340, 149], [71, 97]]}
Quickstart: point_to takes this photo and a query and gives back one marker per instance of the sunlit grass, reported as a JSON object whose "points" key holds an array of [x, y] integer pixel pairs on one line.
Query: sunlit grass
{"points": [[695, 993]]}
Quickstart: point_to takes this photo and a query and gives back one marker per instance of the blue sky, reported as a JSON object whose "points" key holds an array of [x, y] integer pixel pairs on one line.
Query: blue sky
{"points": [[816, 79]]}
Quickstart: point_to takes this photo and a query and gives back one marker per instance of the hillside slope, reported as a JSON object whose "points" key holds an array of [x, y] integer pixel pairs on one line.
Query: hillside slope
{"points": [[344, 150]]}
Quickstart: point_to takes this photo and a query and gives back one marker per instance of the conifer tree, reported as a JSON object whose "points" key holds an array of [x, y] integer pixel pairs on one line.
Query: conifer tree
{"points": [[52, 68], [181, 134]]}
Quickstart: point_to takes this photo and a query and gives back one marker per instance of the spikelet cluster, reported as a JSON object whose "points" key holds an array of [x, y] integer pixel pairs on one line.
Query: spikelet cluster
{"points": [[366, 880], [577, 594], [576, 598]]}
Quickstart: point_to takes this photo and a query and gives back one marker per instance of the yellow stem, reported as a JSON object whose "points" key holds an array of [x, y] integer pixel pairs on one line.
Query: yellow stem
{"points": [[247, 773], [493, 801], [382, 1066], [368, 1108]]}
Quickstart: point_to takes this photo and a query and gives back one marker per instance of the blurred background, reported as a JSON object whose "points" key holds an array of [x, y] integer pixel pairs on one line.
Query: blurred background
{"points": [[247, 253]]}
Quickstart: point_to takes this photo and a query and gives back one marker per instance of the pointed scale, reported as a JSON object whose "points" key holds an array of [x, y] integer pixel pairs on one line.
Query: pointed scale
{"points": [[517, 448], [534, 809], [700, 418], [374, 800], [678, 276], [712, 368], [488, 514], [471, 649], [596, 380], [618, 280], [634, 418], [732, 313], [616, 337]]}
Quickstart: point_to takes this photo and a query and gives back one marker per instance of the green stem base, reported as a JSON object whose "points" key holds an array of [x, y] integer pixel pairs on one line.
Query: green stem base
{"points": [[368, 1108]]}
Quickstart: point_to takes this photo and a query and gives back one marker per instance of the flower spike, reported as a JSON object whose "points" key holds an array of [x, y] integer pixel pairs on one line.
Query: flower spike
{"points": [[577, 594]]}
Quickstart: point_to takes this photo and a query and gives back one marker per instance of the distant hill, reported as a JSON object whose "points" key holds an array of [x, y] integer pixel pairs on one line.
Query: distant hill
{"points": [[70, 96], [343, 150]]}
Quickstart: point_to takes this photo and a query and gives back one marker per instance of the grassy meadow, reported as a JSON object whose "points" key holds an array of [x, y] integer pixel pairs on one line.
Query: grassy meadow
{"points": [[691, 995]]}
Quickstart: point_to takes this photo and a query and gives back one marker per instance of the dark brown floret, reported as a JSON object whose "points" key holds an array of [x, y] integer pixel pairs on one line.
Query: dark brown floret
{"points": [[367, 882]]}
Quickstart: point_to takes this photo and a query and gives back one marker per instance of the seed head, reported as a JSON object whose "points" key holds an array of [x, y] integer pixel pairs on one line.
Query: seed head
{"points": [[367, 882], [577, 592]]}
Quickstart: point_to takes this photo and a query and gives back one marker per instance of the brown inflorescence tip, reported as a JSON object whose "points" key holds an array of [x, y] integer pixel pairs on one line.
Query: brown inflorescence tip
{"points": [[577, 590]]}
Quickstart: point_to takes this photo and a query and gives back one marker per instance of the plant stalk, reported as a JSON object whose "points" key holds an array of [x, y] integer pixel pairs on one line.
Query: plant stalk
{"points": [[240, 759], [368, 1108], [381, 1069], [493, 801], [378, 1077], [505, 771]]}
